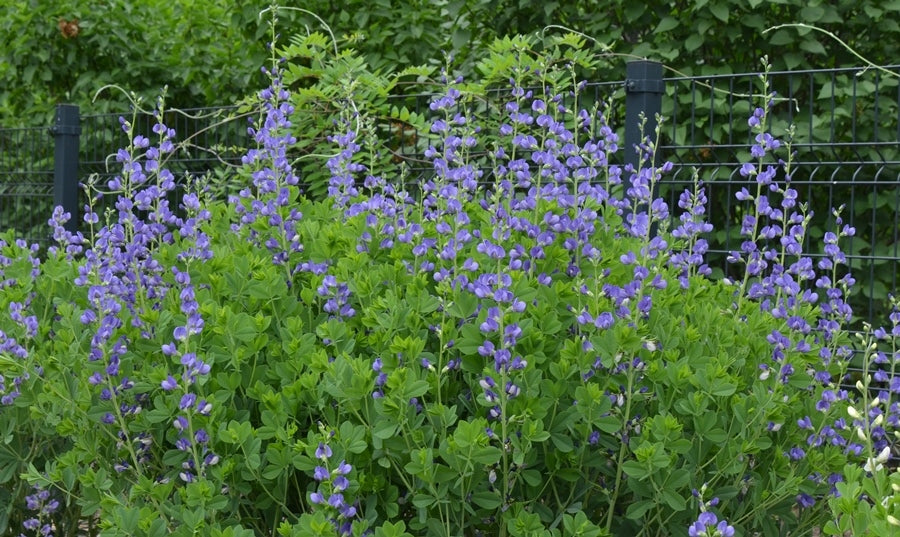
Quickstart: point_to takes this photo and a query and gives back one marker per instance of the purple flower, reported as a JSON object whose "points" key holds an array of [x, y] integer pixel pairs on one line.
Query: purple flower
{"points": [[180, 423], [323, 452], [170, 383], [805, 500], [343, 468], [707, 521], [321, 473], [336, 500], [340, 483], [796, 453], [187, 401]]}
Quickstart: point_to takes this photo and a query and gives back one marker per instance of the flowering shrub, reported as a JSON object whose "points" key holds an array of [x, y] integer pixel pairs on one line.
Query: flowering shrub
{"points": [[528, 347]]}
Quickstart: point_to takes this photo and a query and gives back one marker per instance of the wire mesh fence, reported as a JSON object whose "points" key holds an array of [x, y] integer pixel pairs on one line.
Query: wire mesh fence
{"points": [[26, 178], [209, 141], [843, 127]]}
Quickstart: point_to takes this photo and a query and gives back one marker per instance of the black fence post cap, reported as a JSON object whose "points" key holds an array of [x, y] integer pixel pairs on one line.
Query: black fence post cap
{"points": [[644, 76]]}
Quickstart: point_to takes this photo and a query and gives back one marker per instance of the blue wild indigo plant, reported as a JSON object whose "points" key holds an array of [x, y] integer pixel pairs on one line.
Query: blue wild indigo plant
{"points": [[528, 345]]}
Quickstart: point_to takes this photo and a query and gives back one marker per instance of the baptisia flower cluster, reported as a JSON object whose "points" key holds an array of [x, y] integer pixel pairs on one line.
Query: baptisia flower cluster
{"points": [[42, 507], [127, 285], [266, 207], [332, 485], [709, 525]]}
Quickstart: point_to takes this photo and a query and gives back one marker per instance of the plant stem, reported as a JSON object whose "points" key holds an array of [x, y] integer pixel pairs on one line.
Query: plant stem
{"points": [[623, 448]]}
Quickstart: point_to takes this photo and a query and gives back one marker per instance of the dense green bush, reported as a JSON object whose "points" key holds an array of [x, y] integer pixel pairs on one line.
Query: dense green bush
{"points": [[208, 53], [708, 36]]}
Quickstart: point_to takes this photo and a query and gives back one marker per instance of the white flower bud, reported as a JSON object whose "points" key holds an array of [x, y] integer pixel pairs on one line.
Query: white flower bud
{"points": [[871, 466], [854, 413], [892, 520]]}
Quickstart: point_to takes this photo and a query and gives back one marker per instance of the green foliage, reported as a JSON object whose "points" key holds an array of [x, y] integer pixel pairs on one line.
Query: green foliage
{"points": [[64, 52], [340, 88], [708, 36]]}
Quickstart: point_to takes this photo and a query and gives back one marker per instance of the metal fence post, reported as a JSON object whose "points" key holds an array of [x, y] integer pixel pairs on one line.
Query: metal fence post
{"points": [[66, 130], [644, 87]]}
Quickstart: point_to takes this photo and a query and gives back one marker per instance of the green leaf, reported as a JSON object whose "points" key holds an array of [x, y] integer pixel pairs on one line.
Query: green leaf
{"points": [[487, 500], [637, 510], [782, 37], [128, 519], [792, 60], [813, 46], [462, 37], [416, 388], [581, 526], [675, 501], [384, 429], [716, 436], [693, 42], [240, 327], [562, 441], [635, 469], [812, 13], [665, 25], [486, 455], [392, 530], [719, 11], [722, 389], [633, 10], [422, 500], [532, 477]]}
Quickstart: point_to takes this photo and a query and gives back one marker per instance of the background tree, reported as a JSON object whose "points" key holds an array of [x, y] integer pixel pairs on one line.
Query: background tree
{"points": [[207, 53]]}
